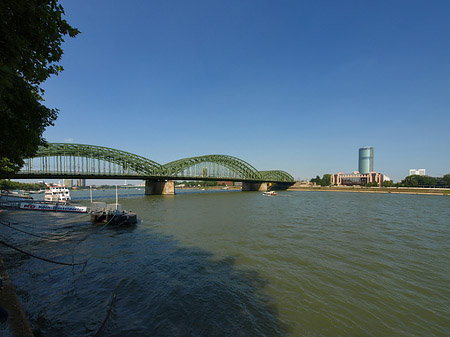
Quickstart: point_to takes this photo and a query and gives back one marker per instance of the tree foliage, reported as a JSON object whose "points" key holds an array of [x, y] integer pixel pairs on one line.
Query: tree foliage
{"points": [[446, 179], [31, 34], [7, 185], [418, 181], [324, 181]]}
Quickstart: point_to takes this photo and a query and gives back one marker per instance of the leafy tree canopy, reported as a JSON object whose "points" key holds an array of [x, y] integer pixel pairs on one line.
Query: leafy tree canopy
{"points": [[418, 181], [6, 185], [31, 34], [446, 179], [388, 183], [324, 181]]}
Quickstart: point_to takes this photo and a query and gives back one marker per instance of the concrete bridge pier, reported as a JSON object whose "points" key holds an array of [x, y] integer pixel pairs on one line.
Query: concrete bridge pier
{"points": [[159, 187], [261, 187]]}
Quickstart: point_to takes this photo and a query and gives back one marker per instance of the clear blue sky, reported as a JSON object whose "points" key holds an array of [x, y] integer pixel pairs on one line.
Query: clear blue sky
{"points": [[291, 85]]}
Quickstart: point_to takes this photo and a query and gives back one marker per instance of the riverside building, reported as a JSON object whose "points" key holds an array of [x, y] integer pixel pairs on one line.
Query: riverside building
{"points": [[68, 183], [419, 172], [365, 173], [356, 178], [81, 182]]}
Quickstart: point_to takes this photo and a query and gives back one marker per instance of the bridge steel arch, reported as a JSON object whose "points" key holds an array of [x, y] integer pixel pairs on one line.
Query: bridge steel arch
{"points": [[68, 160], [82, 159], [212, 166], [277, 175]]}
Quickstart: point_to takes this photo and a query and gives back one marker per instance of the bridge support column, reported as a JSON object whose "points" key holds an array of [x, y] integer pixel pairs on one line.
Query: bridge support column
{"points": [[261, 187], [158, 187]]}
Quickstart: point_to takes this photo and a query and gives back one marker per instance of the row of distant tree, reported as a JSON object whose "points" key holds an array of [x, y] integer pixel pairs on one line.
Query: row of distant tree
{"points": [[409, 181], [425, 181], [7, 185], [324, 181]]}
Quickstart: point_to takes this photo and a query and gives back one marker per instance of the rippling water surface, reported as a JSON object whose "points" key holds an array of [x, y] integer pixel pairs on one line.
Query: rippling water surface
{"points": [[240, 264]]}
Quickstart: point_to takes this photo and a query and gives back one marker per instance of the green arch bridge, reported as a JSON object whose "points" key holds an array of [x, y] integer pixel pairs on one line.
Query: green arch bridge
{"points": [[67, 160]]}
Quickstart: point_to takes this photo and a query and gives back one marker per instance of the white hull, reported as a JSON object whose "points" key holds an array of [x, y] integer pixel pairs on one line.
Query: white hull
{"points": [[52, 207]]}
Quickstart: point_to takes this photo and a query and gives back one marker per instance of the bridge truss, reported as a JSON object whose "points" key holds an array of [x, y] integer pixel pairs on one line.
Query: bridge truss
{"points": [[67, 160]]}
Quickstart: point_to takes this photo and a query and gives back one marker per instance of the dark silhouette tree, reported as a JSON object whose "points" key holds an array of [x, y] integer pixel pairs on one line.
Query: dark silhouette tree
{"points": [[31, 34]]}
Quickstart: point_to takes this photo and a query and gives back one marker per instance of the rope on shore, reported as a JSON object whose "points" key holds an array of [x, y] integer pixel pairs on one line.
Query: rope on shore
{"points": [[28, 224], [99, 332], [35, 235], [41, 258], [45, 259]]}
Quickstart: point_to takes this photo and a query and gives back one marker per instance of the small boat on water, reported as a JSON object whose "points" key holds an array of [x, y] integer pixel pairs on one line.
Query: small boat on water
{"points": [[111, 214], [36, 192], [56, 199], [270, 193], [8, 196]]}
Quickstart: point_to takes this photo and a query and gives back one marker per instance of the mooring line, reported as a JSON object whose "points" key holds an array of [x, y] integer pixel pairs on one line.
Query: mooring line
{"points": [[107, 315], [35, 235], [41, 258]]}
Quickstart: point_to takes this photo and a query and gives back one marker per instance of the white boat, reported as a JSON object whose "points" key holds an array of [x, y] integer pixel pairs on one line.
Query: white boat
{"points": [[34, 206], [270, 193], [36, 192], [57, 193], [6, 197]]}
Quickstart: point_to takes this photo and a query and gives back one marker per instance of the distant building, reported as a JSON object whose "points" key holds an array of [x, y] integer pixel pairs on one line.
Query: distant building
{"points": [[81, 182], [365, 173], [419, 172], [68, 183], [356, 178], [365, 162]]}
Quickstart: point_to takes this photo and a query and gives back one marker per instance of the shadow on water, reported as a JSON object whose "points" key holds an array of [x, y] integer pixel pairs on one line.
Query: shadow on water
{"points": [[163, 289]]}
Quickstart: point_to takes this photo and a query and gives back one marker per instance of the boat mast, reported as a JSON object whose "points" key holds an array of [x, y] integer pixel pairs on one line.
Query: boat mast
{"points": [[117, 200]]}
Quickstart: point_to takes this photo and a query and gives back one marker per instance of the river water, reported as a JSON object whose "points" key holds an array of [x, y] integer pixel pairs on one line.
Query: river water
{"points": [[239, 264]]}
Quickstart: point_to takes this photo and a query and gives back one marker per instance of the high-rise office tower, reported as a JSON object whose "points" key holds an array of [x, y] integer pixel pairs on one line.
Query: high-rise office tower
{"points": [[365, 163]]}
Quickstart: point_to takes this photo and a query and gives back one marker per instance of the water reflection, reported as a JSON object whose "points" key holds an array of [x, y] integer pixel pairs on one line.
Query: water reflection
{"points": [[163, 288]]}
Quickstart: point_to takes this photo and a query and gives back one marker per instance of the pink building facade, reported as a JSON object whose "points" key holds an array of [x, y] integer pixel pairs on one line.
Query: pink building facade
{"points": [[356, 178]]}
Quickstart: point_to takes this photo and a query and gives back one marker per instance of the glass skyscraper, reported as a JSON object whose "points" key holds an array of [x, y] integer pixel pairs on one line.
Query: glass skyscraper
{"points": [[365, 163]]}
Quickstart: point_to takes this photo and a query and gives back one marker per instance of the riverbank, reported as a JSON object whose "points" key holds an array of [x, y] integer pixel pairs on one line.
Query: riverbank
{"points": [[385, 190], [9, 301]]}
